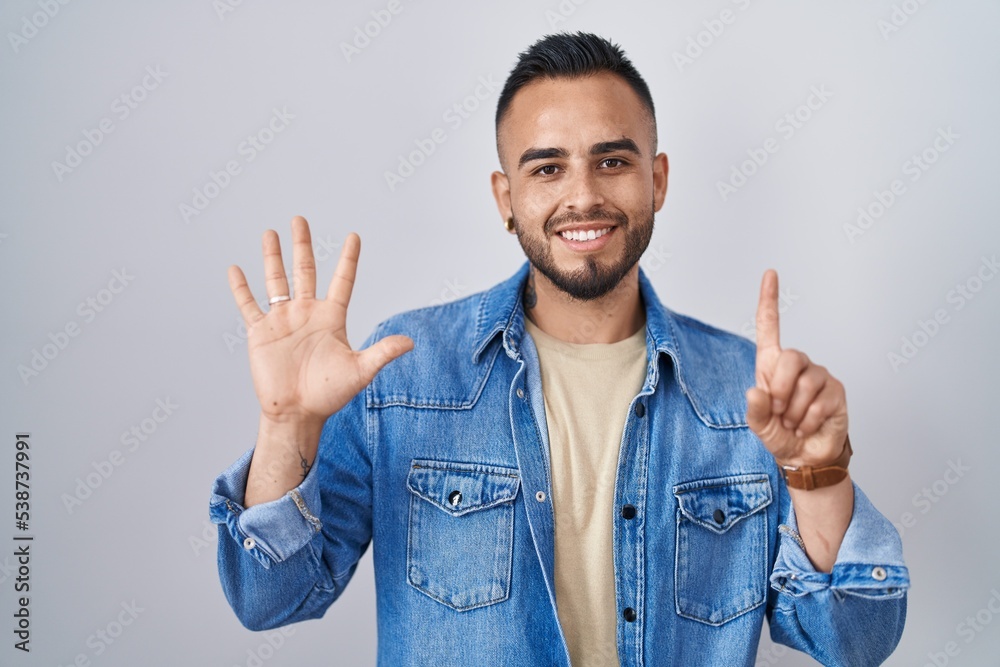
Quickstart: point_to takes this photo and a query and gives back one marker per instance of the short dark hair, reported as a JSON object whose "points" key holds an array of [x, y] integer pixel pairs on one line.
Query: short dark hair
{"points": [[572, 55]]}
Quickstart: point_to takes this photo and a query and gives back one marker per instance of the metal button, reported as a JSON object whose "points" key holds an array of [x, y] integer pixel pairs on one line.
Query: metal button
{"points": [[455, 497], [719, 516], [628, 614], [879, 574], [540, 496], [628, 511], [640, 409], [249, 543], [520, 393]]}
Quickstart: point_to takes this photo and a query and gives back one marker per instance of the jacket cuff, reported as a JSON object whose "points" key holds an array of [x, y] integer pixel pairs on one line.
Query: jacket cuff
{"points": [[869, 562], [271, 531]]}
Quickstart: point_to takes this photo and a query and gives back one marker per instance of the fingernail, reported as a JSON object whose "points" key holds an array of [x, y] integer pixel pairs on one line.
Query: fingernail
{"points": [[777, 405], [788, 423], [798, 432]]}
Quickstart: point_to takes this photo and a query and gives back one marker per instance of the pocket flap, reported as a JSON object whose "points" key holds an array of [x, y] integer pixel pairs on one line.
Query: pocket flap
{"points": [[459, 488], [721, 502]]}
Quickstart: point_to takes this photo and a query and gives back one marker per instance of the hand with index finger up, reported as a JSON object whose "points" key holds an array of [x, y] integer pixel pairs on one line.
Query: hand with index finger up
{"points": [[797, 409]]}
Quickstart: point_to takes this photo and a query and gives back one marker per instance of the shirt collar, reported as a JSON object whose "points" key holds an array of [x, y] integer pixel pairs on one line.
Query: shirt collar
{"points": [[502, 310]]}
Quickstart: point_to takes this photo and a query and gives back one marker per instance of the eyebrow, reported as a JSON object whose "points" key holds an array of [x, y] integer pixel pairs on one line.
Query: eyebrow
{"points": [[621, 145], [600, 148], [533, 154]]}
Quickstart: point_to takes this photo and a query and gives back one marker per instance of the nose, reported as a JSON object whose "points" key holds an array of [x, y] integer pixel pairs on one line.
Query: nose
{"points": [[583, 191]]}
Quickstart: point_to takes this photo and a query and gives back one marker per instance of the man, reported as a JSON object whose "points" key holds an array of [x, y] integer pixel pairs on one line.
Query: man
{"points": [[559, 469]]}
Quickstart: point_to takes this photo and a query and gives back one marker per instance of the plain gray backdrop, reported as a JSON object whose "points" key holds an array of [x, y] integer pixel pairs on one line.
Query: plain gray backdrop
{"points": [[116, 116]]}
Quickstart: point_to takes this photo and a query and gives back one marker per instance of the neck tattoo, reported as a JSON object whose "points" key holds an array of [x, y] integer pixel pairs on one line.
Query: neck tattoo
{"points": [[530, 296]]}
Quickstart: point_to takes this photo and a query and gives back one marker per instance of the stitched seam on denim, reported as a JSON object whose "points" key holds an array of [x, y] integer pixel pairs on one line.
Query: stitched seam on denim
{"points": [[763, 561], [409, 543], [695, 485], [684, 388], [465, 467], [538, 436], [415, 502], [533, 530], [545, 471], [297, 499], [887, 595], [794, 534], [467, 509], [680, 378], [681, 516], [485, 378], [643, 442], [716, 624], [678, 515], [368, 417], [677, 591], [426, 591], [480, 318], [409, 401]]}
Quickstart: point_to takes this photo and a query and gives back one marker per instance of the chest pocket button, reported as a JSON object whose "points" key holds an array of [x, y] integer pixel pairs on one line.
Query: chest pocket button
{"points": [[461, 513], [721, 528]]}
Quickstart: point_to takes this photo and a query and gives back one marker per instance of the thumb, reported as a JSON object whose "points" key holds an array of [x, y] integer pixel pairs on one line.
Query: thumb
{"points": [[758, 408], [374, 357]]}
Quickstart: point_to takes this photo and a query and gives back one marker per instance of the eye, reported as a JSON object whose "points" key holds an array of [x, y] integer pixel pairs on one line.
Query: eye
{"points": [[615, 162], [547, 170]]}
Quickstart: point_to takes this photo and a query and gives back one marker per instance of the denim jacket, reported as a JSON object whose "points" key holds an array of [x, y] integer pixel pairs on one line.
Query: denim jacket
{"points": [[442, 465]]}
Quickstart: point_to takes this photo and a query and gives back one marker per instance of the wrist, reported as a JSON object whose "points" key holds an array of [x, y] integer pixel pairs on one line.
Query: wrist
{"points": [[290, 427], [282, 457], [809, 477]]}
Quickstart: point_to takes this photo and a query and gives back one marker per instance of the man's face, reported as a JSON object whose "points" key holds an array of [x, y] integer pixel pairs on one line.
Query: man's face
{"points": [[578, 157]]}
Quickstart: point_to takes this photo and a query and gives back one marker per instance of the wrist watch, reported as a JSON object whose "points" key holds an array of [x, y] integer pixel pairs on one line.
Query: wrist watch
{"points": [[808, 478]]}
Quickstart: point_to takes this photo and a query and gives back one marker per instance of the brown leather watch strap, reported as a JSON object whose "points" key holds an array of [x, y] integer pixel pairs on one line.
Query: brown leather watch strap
{"points": [[808, 478]]}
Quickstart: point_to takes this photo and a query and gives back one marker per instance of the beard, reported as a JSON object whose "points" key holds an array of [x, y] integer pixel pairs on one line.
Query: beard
{"points": [[595, 278]]}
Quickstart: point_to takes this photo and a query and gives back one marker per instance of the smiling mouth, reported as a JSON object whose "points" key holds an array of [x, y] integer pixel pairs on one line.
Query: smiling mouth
{"points": [[584, 235]]}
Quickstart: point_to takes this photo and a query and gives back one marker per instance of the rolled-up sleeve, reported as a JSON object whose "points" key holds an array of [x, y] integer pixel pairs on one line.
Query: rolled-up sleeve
{"points": [[272, 531], [289, 559], [853, 615]]}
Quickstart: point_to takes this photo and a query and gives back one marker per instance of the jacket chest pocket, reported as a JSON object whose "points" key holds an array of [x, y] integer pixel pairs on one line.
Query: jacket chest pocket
{"points": [[721, 552], [461, 531]]}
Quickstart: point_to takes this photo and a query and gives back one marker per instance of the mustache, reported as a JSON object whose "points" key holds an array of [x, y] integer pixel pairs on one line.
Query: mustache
{"points": [[616, 217]]}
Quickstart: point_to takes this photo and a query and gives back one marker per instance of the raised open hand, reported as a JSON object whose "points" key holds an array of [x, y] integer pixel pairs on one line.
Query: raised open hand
{"points": [[797, 408], [302, 364]]}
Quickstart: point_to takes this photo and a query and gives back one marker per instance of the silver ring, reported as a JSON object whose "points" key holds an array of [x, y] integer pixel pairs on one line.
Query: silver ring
{"points": [[278, 299]]}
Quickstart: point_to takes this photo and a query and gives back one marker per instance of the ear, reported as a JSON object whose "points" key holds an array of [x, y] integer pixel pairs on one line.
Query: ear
{"points": [[501, 193], [660, 169]]}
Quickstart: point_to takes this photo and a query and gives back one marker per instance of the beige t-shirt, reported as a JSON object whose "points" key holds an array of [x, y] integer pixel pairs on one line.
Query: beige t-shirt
{"points": [[587, 388]]}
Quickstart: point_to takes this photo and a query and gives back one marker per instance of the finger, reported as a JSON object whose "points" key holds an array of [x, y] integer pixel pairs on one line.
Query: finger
{"points": [[758, 409], [810, 383], [829, 402], [244, 297], [303, 263], [767, 312], [374, 357], [274, 268], [342, 283], [788, 368]]}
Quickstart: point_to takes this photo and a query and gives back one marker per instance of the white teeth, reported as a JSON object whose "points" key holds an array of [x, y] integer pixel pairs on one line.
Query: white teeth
{"points": [[589, 235]]}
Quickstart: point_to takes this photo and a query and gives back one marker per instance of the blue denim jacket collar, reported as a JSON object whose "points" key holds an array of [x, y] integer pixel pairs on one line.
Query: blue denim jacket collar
{"points": [[717, 403], [502, 309]]}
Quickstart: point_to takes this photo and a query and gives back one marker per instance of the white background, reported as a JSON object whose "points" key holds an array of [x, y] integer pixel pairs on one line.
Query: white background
{"points": [[173, 332]]}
